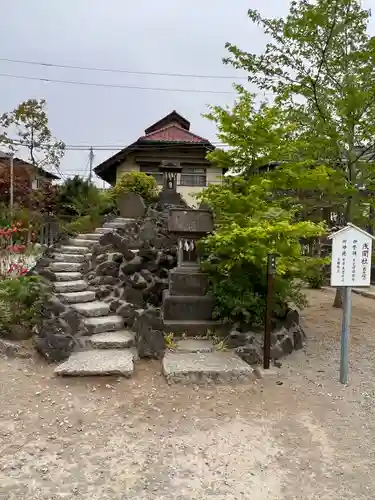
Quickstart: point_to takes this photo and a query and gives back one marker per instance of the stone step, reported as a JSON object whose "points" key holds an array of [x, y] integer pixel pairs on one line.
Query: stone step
{"points": [[179, 307], [77, 297], [192, 328], [115, 225], [69, 267], [90, 236], [73, 249], [81, 242], [69, 257], [92, 309], [104, 324], [68, 276], [202, 368], [194, 345], [98, 362], [69, 286], [122, 220], [103, 230], [121, 339]]}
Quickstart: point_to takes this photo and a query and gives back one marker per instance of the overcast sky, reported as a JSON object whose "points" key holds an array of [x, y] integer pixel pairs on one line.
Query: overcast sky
{"points": [[165, 36]]}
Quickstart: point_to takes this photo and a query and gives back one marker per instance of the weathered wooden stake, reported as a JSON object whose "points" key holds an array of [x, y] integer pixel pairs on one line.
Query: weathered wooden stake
{"points": [[271, 271]]}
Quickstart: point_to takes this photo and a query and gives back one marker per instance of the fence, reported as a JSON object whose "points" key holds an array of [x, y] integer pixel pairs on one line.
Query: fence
{"points": [[22, 247], [49, 232]]}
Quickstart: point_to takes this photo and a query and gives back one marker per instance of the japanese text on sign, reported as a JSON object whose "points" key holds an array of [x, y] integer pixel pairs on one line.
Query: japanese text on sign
{"points": [[351, 257]]}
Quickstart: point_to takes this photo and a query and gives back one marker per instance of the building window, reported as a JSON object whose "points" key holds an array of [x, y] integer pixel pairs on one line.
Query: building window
{"points": [[193, 177], [154, 172]]}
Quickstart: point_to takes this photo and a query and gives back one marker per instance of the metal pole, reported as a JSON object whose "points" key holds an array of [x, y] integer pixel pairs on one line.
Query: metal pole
{"points": [[271, 270], [346, 317]]}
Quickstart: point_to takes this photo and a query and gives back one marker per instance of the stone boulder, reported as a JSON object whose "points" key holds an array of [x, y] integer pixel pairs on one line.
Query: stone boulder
{"points": [[53, 342], [133, 263], [57, 335], [286, 337], [131, 206], [149, 335], [252, 354]]}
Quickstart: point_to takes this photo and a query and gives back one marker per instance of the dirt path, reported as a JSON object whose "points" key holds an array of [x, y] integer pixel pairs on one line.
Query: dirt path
{"points": [[308, 438]]}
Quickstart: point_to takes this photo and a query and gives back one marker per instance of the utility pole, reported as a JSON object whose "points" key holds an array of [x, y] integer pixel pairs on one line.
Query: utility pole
{"points": [[11, 188], [91, 160]]}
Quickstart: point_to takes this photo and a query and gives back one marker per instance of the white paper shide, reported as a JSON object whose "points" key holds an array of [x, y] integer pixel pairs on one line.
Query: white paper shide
{"points": [[351, 257]]}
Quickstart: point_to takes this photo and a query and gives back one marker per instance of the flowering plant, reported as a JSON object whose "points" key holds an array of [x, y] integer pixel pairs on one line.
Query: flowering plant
{"points": [[17, 250]]}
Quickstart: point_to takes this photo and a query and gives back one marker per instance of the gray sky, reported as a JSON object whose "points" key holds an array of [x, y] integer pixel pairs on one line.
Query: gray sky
{"points": [[163, 36]]}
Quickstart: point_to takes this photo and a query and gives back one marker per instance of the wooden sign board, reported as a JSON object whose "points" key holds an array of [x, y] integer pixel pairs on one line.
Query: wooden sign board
{"points": [[351, 257]]}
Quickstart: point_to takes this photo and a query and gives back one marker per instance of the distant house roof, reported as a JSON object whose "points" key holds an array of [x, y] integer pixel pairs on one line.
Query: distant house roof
{"points": [[171, 130], [173, 133], [19, 162], [172, 117]]}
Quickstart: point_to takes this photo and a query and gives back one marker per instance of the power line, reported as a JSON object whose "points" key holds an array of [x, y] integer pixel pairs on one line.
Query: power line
{"points": [[83, 147], [115, 85], [126, 71]]}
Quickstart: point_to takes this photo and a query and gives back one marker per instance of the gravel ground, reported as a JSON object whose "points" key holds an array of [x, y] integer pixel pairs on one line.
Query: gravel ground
{"points": [[295, 435]]}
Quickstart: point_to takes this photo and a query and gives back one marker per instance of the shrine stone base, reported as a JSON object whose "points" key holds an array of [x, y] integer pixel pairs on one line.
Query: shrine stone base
{"points": [[187, 281], [187, 307]]}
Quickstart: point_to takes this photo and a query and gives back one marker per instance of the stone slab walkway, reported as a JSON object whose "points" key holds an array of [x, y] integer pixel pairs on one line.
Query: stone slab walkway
{"points": [[98, 362], [205, 367]]}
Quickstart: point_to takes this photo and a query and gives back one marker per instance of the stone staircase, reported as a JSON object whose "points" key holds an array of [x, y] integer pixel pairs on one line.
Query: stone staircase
{"points": [[109, 348]]}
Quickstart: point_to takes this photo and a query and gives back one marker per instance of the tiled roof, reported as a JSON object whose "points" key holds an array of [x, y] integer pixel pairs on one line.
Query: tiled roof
{"points": [[173, 133]]}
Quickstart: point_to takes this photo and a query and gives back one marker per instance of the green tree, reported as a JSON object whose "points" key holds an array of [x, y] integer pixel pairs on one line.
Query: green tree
{"points": [[27, 127], [258, 136], [250, 224], [320, 65]]}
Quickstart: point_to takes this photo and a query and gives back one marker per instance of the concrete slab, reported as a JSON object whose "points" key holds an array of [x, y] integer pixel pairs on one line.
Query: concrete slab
{"points": [[92, 309], [212, 367], [69, 286], [194, 345], [121, 339], [368, 292], [77, 297], [68, 276], [98, 362]]}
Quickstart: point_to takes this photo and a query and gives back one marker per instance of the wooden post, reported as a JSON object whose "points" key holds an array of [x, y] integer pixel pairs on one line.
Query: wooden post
{"points": [[271, 271]]}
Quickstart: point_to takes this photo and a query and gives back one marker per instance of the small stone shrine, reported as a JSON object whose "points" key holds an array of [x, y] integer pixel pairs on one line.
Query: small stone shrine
{"points": [[186, 298], [169, 194]]}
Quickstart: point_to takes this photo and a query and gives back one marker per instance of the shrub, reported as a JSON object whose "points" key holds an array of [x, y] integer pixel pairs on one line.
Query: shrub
{"points": [[136, 182], [21, 302], [315, 276], [84, 224]]}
